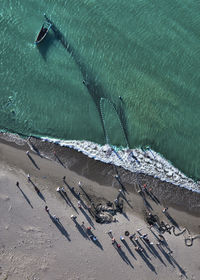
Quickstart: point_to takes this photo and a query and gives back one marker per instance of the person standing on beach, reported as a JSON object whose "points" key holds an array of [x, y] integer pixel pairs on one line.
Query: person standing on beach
{"points": [[47, 209], [17, 184], [58, 189], [73, 217], [113, 240], [29, 178], [37, 190], [165, 210], [79, 204]]}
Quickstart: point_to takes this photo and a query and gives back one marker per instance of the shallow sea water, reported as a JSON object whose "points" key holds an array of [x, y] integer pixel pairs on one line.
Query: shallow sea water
{"points": [[146, 52]]}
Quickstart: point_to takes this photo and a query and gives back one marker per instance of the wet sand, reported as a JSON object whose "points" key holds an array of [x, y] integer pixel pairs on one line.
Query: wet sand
{"points": [[34, 246]]}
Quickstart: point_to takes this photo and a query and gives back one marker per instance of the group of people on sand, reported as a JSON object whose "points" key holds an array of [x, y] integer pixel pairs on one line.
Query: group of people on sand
{"points": [[135, 237]]}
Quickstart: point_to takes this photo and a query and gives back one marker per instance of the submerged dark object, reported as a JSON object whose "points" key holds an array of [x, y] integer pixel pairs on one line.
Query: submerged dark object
{"points": [[43, 32]]}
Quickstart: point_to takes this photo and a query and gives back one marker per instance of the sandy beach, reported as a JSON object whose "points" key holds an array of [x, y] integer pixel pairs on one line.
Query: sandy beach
{"points": [[34, 244]]}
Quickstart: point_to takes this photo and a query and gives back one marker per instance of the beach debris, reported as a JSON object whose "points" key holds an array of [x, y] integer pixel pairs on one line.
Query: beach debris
{"points": [[126, 233], [104, 213], [151, 219]]}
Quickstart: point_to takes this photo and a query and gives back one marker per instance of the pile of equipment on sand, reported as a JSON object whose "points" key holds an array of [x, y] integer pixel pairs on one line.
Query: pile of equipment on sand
{"points": [[104, 213]]}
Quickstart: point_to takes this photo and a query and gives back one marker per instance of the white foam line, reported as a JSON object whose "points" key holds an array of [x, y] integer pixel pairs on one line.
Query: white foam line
{"points": [[148, 162]]}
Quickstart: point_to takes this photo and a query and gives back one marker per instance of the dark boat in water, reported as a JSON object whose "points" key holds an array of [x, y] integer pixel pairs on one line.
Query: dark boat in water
{"points": [[43, 32]]}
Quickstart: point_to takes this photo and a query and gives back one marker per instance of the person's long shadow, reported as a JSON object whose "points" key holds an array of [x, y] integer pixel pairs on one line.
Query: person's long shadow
{"points": [[35, 148], [73, 192], [169, 217], [25, 196], [37, 190], [143, 250], [33, 161], [65, 197], [182, 271], [82, 203], [85, 193], [125, 215], [148, 263], [123, 255], [96, 241], [164, 242], [119, 181], [147, 246], [157, 238], [153, 251], [168, 258], [59, 160], [152, 196], [147, 204], [142, 194], [80, 229], [129, 249], [124, 197], [40, 194], [87, 217], [60, 227]]}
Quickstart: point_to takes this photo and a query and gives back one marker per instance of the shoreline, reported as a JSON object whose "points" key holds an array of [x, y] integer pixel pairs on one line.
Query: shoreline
{"points": [[170, 195], [148, 162]]}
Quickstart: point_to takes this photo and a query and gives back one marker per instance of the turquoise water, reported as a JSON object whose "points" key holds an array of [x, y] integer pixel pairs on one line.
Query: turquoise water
{"points": [[147, 52]]}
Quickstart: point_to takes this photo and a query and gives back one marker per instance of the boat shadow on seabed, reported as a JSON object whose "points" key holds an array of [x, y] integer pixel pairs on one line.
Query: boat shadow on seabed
{"points": [[45, 45], [94, 89]]}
